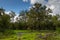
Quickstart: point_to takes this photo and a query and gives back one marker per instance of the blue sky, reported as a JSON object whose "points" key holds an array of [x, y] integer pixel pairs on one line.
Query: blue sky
{"points": [[15, 5]]}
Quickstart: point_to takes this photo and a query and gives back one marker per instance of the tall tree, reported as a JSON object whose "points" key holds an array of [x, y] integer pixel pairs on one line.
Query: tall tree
{"points": [[4, 22], [37, 15]]}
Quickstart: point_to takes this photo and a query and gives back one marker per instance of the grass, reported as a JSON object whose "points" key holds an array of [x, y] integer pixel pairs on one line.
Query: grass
{"points": [[27, 35]]}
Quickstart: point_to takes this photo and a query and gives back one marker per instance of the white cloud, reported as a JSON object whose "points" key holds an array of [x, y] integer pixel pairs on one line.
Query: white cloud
{"points": [[32, 1], [15, 18], [25, 0], [7, 12], [36, 1], [52, 7], [56, 5]]}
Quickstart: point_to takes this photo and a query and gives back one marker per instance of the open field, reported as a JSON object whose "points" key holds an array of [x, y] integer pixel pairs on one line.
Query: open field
{"points": [[30, 35]]}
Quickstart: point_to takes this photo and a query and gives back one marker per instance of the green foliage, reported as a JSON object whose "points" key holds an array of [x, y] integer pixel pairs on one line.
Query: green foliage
{"points": [[4, 22], [37, 18]]}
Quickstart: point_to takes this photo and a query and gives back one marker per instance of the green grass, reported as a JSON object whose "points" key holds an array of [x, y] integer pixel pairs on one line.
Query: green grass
{"points": [[26, 35]]}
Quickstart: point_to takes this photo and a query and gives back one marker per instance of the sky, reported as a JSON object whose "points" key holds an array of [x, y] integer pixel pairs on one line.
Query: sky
{"points": [[14, 5], [19, 5]]}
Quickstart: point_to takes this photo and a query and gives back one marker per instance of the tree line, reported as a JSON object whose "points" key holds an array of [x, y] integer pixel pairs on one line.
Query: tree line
{"points": [[37, 18]]}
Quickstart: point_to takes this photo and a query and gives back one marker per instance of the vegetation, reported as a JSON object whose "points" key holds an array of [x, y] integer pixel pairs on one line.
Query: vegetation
{"points": [[36, 19], [28, 35]]}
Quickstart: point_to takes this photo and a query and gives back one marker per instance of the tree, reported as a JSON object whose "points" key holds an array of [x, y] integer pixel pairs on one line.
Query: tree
{"points": [[37, 16], [4, 22], [22, 20]]}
